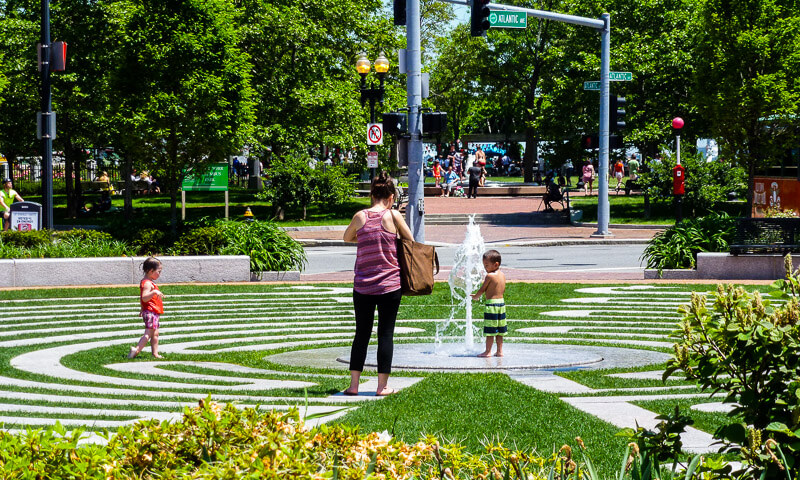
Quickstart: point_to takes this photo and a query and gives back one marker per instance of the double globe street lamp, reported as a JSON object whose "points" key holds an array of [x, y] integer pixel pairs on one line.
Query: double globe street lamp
{"points": [[371, 93]]}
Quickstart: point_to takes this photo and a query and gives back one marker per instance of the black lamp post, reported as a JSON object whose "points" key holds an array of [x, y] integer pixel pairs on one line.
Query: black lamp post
{"points": [[372, 94]]}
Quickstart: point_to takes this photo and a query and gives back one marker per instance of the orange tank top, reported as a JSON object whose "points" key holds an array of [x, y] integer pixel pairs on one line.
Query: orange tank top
{"points": [[155, 304]]}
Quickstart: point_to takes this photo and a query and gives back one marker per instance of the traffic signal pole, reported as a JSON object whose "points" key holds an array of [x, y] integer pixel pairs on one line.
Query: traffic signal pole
{"points": [[415, 212], [415, 178], [47, 135], [603, 25], [603, 208]]}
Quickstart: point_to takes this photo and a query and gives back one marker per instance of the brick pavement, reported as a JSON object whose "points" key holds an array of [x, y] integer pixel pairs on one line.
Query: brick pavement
{"points": [[499, 235], [454, 234]]}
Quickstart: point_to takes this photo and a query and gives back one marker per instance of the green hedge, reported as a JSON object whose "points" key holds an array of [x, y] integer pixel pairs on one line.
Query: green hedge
{"points": [[269, 247]]}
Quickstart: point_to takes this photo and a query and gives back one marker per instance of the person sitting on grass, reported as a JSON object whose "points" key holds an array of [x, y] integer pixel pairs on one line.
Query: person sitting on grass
{"points": [[494, 317]]}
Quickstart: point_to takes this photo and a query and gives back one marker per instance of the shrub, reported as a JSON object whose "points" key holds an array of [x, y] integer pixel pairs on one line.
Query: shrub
{"points": [[749, 349], [707, 183], [80, 234], [678, 246], [216, 442], [269, 247], [292, 183], [26, 239], [200, 241], [70, 244], [333, 187], [150, 241]]}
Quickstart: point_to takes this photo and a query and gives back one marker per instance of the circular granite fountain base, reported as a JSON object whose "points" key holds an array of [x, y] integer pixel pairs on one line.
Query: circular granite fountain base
{"points": [[454, 357]]}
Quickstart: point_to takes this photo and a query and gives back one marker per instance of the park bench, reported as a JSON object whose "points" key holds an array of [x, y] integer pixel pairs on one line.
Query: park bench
{"points": [[766, 235]]}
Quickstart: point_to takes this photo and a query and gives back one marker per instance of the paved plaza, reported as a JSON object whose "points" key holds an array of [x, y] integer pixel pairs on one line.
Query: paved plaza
{"points": [[65, 358]]}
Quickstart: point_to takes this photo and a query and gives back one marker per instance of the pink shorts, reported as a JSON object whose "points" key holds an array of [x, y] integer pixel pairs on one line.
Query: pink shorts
{"points": [[150, 319]]}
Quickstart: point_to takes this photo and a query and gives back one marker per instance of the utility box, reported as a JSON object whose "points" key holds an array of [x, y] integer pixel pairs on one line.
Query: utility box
{"points": [[254, 169], [25, 216]]}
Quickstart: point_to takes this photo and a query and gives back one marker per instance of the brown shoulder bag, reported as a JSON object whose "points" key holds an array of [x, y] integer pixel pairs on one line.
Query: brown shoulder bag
{"points": [[417, 264]]}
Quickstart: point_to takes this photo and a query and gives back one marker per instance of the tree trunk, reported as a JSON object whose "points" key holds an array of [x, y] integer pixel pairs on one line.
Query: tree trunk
{"points": [[530, 154], [127, 203], [751, 174], [72, 177], [173, 210]]}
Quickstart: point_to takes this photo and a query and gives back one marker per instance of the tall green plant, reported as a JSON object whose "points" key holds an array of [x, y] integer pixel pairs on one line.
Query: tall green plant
{"points": [[747, 348], [678, 246], [269, 247]]}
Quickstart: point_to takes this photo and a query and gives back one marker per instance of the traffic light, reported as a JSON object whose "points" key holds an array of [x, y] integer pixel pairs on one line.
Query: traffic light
{"points": [[479, 18], [434, 122], [400, 13], [395, 123], [616, 113], [590, 142]]}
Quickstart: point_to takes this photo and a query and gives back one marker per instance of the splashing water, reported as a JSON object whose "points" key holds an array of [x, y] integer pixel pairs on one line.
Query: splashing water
{"points": [[466, 275]]}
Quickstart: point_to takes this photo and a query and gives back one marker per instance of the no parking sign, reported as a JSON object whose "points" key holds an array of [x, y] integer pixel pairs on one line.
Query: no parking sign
{"points": [[374, 134]]}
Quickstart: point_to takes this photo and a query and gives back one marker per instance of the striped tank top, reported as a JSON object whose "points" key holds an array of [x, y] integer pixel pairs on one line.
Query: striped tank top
{"points": [[377, 269]]}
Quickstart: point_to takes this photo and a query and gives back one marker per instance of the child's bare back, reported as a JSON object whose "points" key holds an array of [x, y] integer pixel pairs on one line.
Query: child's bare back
{"points": [[495, 283]]}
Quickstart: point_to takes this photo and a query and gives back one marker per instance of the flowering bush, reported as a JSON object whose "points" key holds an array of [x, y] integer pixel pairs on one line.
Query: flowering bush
{"points": [[214, 441]]}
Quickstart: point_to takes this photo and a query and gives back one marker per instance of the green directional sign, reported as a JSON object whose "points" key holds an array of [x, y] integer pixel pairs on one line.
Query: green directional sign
{"points": [[591, 85], [620, 76], [499, 19], [215, 179]]}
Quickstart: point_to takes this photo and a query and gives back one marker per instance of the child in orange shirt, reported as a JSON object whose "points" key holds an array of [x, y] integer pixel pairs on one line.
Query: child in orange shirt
{"points": [[150, 298]]}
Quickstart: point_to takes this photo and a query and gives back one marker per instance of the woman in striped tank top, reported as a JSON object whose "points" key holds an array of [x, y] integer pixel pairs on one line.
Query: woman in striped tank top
{"points": [[377, 280]]}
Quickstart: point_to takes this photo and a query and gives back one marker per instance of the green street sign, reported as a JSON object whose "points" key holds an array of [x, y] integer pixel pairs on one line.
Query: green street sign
{"points": [[498, 19], [620, 76], [591, 85], [215, 179]]}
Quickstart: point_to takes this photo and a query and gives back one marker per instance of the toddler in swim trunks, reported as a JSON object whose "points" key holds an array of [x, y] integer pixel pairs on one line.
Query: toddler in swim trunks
{"points": [[494, 316]]}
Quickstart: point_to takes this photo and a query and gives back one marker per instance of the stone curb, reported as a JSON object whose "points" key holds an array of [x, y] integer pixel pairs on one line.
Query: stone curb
{"points": [[532, 243], [623, 226], [59, 272]]}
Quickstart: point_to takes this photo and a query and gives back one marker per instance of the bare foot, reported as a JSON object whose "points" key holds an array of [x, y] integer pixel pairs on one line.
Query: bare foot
{"points": [[157, 355], [385, 391], [498, 354], [350, 392], [485, 354]]}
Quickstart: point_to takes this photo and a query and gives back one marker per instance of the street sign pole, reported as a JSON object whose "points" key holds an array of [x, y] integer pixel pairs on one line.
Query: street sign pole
{"points": [[415, 212], [602, 188], [47, 131]]}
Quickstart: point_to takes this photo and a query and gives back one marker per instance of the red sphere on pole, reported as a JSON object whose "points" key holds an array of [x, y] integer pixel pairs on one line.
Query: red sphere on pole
{"points": [[677, 123]]}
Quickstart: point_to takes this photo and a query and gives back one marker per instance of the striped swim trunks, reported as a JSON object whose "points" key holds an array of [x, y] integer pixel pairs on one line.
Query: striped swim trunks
{"points": [[494, 317]]}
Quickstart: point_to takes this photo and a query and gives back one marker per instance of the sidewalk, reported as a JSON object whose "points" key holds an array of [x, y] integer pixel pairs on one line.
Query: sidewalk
{"points": [[520, 235]]}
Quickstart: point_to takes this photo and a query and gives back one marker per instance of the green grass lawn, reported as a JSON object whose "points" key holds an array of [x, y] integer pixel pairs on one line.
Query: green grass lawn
{"points": [[244, 325]]}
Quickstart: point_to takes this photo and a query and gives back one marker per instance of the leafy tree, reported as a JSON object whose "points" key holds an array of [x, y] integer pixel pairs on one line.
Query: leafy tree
{"points": [[19, 30], [748, 64], [303, 62], [81, 93], [182, 93]]}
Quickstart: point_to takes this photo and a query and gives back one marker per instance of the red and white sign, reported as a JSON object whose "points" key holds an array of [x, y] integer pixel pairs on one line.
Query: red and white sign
{"points": [[372, 159], [374, 134]]}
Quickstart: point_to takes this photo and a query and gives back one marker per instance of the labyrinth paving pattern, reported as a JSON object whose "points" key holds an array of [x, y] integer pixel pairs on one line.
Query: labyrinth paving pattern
{"points": [[64, 359]]}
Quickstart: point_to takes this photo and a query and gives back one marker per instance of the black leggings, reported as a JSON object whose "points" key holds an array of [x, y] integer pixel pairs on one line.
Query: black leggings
{"points": [[364, 305]]}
